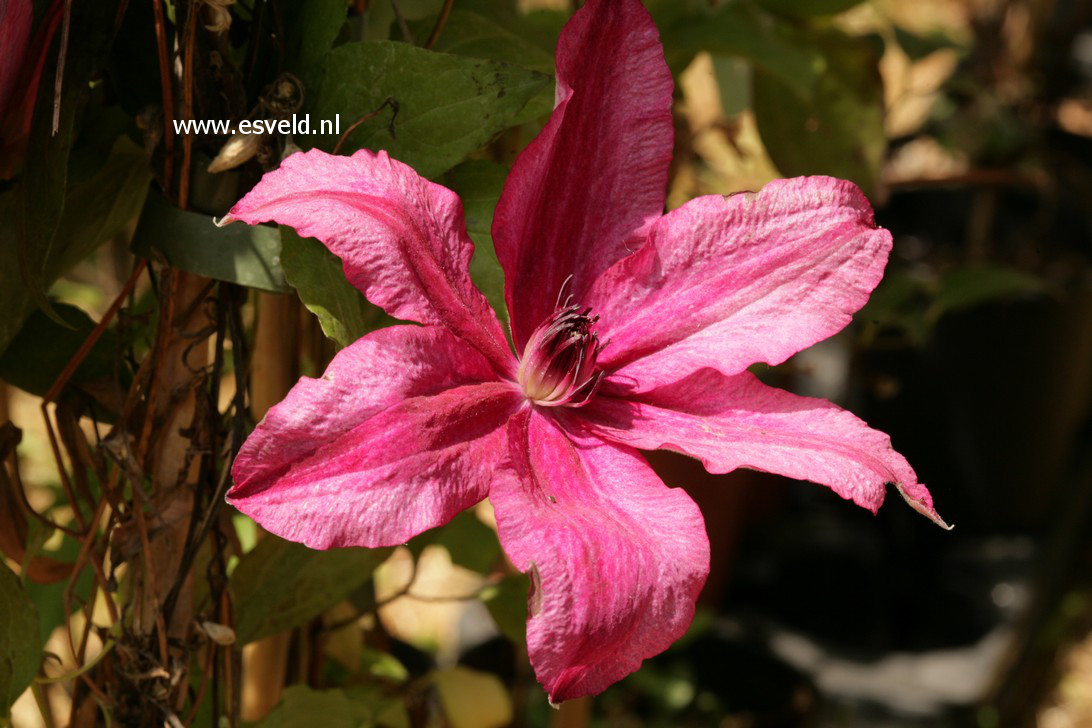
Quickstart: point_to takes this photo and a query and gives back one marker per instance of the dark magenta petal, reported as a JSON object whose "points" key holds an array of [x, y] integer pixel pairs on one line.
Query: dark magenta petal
{"points": [[402, 239], [728, 282], [15, 23], [739, 422], [403, 431], [616, 558], [581, 190], [22, 59]]}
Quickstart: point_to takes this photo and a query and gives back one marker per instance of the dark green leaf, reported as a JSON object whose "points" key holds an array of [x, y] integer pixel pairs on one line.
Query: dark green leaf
{"points": [[243, 254], [838, 128], [967, 287], [381, 16], [45, 178], [42, 349], [98, 207], [507, 603], [898, 302], [808, 8], [49, 598], [20, 652], [319, 279], [311, 28], [743, 31], [479, 183], [449, 106], [280, 585]]}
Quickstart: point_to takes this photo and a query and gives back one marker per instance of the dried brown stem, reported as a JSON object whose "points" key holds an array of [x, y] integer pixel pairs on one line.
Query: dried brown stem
{"points": [[168, 94], [440, 23], [389, 101]]}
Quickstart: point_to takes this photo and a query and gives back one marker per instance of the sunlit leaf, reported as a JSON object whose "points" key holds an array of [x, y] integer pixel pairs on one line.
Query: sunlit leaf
{"points": [[920, 45], [319, 279], [280, 584], [301, 707], [381, 665], [479, 184], [837, 128], [473, 699], [449, 106], [470, 34]]}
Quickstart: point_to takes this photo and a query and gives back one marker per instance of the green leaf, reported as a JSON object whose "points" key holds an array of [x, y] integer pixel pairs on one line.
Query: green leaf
{"points": [[479, 183], [381, 665], [920, 45], [301, 706], [311, 28], [385, 711], [449, 106], [381, 16], [470, 34], [808, 8], [898, 302], [49, 598], [97, 208], [43, 348], [45, 197], [838, 128], [319, 279], [541, 27], [473, 699], [507, 604], [20, 652], [743, 31], [966, 287], [243, 254], [281, 585], [471, 543]]}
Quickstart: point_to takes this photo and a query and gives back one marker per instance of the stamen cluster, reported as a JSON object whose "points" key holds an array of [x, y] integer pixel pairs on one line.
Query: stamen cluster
{"points": [[558, 364]]}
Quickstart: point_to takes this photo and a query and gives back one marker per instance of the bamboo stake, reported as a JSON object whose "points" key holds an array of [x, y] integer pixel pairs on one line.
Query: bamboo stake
{"points": [[274, 368]]}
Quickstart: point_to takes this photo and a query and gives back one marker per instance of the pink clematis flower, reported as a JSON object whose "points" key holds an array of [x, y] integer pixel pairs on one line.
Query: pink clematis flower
{"points": [[21, 61], [634, 331]]}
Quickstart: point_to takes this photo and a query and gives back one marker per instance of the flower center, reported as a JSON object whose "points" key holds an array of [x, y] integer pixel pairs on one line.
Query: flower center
{"points": [[558, 364]]}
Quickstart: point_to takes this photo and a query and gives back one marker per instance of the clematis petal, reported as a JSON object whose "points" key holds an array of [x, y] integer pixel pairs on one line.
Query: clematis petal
{"points": [[22, 58], [401, 433], [15, 23], [616, 558], [739, 422], [728, 282], [580, 191], [401, 238]]}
